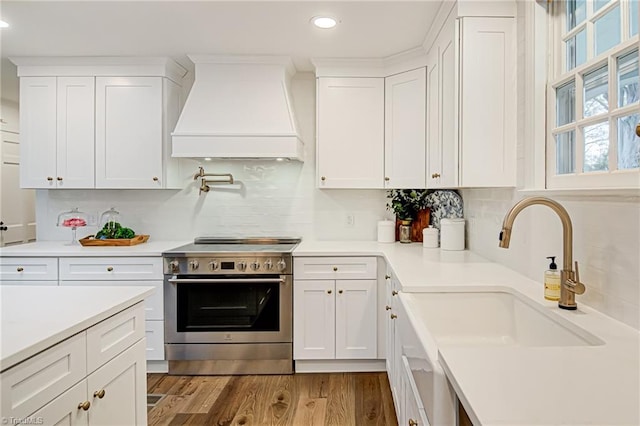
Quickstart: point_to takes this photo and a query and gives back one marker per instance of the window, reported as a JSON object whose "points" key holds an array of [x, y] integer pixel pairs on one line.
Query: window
{"points": [[593, 102]]}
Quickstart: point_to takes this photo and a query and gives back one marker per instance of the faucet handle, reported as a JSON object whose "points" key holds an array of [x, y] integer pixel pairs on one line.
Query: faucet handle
{"points": [[574, 284]]}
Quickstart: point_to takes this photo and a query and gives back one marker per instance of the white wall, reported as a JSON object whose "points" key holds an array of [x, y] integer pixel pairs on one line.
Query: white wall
{"points": [[273, 199]]}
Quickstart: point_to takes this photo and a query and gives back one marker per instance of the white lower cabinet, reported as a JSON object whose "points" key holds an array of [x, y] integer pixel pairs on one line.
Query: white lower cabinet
{"points": [[70, 384], [334, 308], [334, 319], [412, 413], [124, 271]]}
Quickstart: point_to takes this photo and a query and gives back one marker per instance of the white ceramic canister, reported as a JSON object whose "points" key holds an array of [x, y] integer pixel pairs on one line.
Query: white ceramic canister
{"points": [[430, 237], [452, 234], [386, 231]]}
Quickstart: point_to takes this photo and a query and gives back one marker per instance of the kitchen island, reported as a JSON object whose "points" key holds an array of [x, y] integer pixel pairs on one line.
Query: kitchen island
{"points": [[75, 353]]}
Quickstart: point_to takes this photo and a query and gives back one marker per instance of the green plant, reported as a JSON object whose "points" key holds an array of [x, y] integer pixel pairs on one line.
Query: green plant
{"points": [[406, 203]]}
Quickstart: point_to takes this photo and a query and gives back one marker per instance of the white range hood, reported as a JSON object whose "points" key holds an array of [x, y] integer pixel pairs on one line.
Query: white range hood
{"points": [[239, 107]]}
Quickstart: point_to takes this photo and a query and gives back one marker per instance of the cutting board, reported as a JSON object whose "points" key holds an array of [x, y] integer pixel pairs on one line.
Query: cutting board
{"points": [[89, 241]]}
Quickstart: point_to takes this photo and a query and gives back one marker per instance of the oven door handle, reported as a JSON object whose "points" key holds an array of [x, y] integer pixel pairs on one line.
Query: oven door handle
{"points": [[225, 280]]}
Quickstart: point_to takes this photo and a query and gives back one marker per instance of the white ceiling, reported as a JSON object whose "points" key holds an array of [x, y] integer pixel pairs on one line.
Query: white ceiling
{"points": [[367, 29]]}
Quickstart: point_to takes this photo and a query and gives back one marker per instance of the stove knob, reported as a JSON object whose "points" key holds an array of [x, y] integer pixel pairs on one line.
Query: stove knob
{"points": [[255, 265], [281, 265], [268, 265], [242, 265], [214, 265], [174, 266], [194, 265]]}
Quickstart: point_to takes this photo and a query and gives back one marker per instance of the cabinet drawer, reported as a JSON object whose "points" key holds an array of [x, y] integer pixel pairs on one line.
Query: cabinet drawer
{"points": [[113, 335], [28, 268], [154, 331], [111, 268], [31, 384], [315, 268], [153, 305]]}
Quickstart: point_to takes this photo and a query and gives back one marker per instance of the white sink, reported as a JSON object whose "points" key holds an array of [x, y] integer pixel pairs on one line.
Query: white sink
{"points": [[494, 318]]}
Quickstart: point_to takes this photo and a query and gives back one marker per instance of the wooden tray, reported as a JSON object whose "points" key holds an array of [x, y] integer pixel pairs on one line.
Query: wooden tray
{"points": [[138, 239]]}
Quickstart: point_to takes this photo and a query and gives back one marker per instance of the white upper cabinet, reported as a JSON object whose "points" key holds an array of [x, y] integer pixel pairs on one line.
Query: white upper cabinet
{"points": [[108, 129], [405, 138], [129, 132], [488, 102], [442, 117], [38, 132], [471, 103], [75, 132], [350, 126]]}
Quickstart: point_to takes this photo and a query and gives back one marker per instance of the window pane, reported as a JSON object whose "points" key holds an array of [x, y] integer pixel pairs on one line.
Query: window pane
{"points": [[596, 147], [597, 4], [628, 79], [607, 30], [633, 16], [565, 103], [628, 142], [565, 153], [576, 12], [576, 50], [596, 92]]}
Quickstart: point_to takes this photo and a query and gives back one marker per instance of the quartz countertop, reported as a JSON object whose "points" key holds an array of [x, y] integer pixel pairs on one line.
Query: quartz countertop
{"points": [[576, 385], [34, 318], [60, 249]]}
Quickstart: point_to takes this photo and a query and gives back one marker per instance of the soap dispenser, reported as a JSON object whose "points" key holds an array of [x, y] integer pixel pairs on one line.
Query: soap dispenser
{"points": [[552, 281]]}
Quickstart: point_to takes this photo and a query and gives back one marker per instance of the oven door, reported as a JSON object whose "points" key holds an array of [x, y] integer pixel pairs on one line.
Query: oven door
{"points": [[232, 309]]}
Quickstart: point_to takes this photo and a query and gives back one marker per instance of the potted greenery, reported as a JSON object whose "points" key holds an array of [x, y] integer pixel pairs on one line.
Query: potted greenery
{"points": [[407, 205]]}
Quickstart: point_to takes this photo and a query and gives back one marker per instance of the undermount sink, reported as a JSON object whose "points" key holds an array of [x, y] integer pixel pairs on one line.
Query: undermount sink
{"points": [[494, 318]]}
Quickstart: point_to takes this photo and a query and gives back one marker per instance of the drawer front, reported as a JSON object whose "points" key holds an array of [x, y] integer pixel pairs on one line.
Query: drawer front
{"points": [[28, 268], [113, 335], [153, 305], [154, 331], [317, 268], [111, 268], [31, 384]]}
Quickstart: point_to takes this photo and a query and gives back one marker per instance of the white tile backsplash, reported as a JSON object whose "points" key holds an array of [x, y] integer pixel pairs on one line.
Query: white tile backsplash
{"points": [[606, 244], [270, 198]]}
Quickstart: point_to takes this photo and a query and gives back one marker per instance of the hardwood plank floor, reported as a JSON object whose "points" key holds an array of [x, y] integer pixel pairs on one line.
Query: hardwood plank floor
{"points": [[335, 399]]}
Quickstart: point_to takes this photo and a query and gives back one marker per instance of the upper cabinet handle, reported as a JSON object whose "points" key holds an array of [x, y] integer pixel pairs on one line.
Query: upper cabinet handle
{"points": [[155, 178], [323, 178], [19, 269], [335, 269], [109, 268], [49, 178]]}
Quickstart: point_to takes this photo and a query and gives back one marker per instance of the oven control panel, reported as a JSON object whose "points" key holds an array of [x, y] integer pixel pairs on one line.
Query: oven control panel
{"points": [[211, 265]]}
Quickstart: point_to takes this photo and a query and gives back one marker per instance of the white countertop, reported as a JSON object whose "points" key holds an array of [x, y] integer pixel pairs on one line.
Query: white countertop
{"points": [[597, 385], [60, 249], [34, 318]]}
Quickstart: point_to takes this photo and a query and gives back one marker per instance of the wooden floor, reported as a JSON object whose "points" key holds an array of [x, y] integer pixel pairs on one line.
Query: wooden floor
{"points": [[340, 399]]}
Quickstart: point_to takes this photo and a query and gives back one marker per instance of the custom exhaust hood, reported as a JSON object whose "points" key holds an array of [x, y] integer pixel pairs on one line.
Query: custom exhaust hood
{"points": [[239, 107]]}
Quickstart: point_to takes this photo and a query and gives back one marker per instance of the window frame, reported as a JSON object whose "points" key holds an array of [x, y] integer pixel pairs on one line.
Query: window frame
{"points": [[557, 46]]}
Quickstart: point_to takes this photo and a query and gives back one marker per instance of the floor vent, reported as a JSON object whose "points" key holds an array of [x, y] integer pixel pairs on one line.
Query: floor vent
{"points": [[153, 399]]}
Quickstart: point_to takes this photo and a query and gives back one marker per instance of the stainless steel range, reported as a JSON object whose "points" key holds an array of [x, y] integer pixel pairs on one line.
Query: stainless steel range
{"points": [[228, 306]]}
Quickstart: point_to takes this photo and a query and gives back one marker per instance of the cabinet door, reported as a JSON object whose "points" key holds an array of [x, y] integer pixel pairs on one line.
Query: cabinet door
{"points": [[38, 132], [405, 138], [64, 409], [122, 383], [488, 102], [350, 123], [314, 319], [75, 132], [356, 331], [442, 111], [129, 132]]}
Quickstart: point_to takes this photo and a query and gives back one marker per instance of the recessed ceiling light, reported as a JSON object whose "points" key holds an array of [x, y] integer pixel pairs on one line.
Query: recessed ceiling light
{"points": [[323, 22], [3, 24], [207, 158]]}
